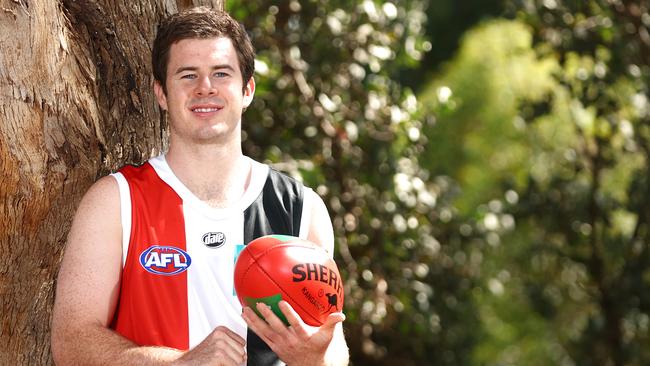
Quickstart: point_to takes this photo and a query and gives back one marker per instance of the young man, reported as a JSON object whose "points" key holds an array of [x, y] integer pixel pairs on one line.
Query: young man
{"points": [[147, 272]]}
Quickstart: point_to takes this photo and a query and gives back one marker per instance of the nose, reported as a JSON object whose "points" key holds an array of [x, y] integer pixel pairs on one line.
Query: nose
{"points": [[205, 87]]}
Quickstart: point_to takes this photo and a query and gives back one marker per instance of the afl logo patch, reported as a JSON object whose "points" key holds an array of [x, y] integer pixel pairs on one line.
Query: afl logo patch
{"points": [[165, 260], [214, 240]]}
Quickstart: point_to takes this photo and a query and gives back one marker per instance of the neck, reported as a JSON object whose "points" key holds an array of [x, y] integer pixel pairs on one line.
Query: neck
{"points": [[218, 175]]}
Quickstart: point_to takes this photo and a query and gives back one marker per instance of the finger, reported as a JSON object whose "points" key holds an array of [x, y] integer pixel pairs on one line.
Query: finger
{"points": [[335, 318], [297, 325], [330, 323], [232, 347], [229, 357], [237, 354], [255, 323], [253, 319], [232, 335], [230, 343], [277, 331], [271, 318]]}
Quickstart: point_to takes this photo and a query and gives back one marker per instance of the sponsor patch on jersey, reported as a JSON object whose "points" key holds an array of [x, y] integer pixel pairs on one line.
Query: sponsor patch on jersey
{"points": [[165, 260], [214, 239]]}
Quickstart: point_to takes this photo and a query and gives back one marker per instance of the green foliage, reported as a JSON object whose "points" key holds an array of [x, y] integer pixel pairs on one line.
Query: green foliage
{"points": [[478, 96], [545, 126], [610, 166], [498, 217], [328, 112], [592, 202]]}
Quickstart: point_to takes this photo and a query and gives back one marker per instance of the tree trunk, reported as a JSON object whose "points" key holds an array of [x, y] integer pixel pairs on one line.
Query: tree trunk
{"points": [[75, 103]]}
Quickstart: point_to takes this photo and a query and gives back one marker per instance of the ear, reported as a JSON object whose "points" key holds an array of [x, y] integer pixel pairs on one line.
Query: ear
{"points": [[248, 92], [160, 95]]}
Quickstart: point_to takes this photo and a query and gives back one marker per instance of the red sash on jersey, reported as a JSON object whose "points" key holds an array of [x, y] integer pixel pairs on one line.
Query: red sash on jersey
{"points": [[152, 308]]}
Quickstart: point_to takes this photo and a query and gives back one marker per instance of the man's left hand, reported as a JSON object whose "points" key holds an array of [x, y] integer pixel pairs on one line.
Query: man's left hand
{"points": [[298, 344]]}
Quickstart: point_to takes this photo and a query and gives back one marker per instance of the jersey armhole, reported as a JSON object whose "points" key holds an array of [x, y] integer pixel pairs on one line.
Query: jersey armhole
{"points": [[125, 213], [305, 218]]}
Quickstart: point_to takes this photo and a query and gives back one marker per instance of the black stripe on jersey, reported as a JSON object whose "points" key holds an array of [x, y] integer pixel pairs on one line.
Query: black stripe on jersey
{"points": [[277, 210]]}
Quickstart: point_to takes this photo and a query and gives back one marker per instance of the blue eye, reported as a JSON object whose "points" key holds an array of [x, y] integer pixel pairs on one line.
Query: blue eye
{"points": [[188, 76], [220, 74]]}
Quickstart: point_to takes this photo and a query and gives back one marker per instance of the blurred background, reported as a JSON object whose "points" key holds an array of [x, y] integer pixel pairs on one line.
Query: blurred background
{"points": [[485, 164]]}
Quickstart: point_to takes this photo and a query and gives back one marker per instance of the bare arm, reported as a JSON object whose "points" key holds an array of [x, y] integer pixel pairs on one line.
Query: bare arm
{"points": [[302, 344], [88, 290], [321, 231], [320, 225]]}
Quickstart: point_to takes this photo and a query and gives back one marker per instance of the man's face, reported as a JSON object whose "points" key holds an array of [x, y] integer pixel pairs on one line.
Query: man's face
{"points": [[204, 90]]}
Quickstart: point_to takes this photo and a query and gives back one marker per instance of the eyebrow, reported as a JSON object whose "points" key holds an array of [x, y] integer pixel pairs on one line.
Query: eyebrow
{"points": [[194, 68]]}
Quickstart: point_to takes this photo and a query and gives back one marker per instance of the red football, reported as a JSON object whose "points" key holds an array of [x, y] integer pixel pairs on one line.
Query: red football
{"points": [[280, 267]]}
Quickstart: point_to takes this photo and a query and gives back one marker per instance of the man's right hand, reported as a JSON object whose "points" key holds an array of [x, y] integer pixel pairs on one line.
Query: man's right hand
{"points": [[221, 347]]}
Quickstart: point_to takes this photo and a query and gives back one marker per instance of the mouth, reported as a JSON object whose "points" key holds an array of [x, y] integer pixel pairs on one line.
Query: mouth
{"points": [[205, 109]]}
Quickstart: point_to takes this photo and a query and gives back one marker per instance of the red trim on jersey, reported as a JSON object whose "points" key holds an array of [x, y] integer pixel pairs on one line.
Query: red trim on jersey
{"points": [[152, 309]]}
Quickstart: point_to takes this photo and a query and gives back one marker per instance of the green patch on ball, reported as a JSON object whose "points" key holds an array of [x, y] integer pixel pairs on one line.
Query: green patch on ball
{"points": [[283, 238], [272, 301]]}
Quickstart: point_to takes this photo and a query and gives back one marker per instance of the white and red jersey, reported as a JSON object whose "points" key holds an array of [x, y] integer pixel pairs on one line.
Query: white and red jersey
{"points": [[179, 253]]}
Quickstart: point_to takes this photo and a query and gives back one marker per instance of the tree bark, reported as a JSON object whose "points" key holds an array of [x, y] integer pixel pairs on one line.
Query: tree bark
{"points": [[75, 103]]}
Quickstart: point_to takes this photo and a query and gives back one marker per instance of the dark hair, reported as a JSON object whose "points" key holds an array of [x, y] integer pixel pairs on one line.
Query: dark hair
{"points": [[201, 22]]}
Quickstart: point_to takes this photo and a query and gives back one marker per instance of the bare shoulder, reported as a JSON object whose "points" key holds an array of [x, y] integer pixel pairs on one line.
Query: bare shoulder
{"points": [[91, 266], [98, 214], [104, 193], [320, 225]]}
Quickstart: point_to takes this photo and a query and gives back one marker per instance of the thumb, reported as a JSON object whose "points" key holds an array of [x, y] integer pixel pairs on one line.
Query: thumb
{"points": [[332, 320]]}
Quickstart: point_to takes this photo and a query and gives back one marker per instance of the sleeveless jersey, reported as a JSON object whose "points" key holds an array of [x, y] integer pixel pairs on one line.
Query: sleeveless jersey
{"points": [[179, 253]]}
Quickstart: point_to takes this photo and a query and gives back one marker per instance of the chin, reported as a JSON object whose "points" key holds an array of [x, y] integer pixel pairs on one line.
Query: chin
{"points": [[214, 134]]}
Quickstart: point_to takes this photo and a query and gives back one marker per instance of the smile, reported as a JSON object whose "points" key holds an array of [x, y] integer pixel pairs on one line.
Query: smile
{"points": [[205, 110]]}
